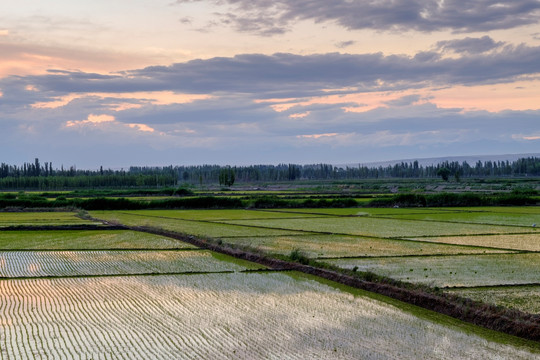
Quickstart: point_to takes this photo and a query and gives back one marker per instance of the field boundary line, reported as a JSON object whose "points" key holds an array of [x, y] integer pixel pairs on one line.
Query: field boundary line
{"points": [[219, 221], [453, 222], [104, 250], [104, 226], [514, 252], [356, 215], [490, 286], [181, 273]]}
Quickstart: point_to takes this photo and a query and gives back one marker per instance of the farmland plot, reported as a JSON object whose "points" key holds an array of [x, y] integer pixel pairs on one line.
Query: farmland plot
{"points": [[465, 238], [231, 316], [86, 240], [40, 218], [333, 246], [466, 270], [477, 217], [200, 228], [222, 214], [371, 211], [378, 227], [528, 210], [91, 263], [526, 242], [513, 297], [513, 216]]}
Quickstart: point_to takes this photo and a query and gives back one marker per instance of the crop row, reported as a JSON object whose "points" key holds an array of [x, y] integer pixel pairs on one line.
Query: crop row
{"points": [[231, 316], [83, 263]]}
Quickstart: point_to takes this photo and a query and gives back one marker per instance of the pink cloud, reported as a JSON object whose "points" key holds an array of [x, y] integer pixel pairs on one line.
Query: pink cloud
{"points": [[141, 127], [92, 120]]}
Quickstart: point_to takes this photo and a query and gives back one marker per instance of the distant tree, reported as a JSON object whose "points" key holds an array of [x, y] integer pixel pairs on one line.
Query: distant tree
{"points": [[226, 177], [293, 172], [444, 172]]}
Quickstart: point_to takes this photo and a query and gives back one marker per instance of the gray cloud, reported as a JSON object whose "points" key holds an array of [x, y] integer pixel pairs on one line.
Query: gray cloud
{"points": [[345, 44], [470, 45], [188, 20], [289, 75], [270, 17], [403, 101]]}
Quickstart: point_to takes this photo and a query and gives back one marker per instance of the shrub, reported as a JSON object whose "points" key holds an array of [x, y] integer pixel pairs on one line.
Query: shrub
{"points": [[298, 256]]}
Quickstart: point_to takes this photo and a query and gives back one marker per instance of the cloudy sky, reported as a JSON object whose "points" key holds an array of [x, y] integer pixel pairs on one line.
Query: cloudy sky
{"points": [[186, 82]]}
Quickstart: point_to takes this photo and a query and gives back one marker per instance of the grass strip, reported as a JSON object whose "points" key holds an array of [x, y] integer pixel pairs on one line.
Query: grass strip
{"points": [[61, 227]]}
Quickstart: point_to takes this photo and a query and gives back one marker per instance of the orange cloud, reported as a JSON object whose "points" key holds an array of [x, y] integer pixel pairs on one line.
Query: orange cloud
{"points": [[526, 137], [141, 127], [92, 120], [300, 115], [522, 95], [519, 96], [317, 136], [143, 98], [104, 119]]}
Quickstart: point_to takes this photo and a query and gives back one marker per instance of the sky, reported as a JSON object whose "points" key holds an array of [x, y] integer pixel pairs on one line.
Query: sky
{"points": [[122, 83]]}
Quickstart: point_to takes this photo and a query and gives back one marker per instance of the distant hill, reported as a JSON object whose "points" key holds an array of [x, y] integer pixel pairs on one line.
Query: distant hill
{"points": [[434, 161]]}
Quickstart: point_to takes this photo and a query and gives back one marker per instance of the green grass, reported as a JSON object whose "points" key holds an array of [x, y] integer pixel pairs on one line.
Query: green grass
{"points": [[495, 218], [216, 215], [198, 228], [505, 209], [443, 271], [513, 297], [378, 227], [315, 246], [40, 218], [371, 211], [86, 239], [528, 242]]}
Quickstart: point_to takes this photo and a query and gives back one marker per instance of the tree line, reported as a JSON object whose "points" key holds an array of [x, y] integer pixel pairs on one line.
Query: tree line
{"points": [[42, 176]]}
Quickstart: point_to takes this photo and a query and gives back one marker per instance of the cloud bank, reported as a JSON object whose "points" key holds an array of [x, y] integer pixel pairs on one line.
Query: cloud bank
{"points": [[268, 18], [289, 75]]}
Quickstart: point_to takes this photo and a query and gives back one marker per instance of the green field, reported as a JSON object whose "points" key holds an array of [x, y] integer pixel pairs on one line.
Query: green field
{"points": [[450, 271], [216, 215], [437, 246], [526, 242], [199, 228], [336, 246], [513, 297], [518, 220], [85, 240], [378, 227], [103, 292], [40, 219]]}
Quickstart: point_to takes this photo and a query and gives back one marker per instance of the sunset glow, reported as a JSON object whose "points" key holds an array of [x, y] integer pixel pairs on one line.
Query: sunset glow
{"points": [[220, 79]]}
